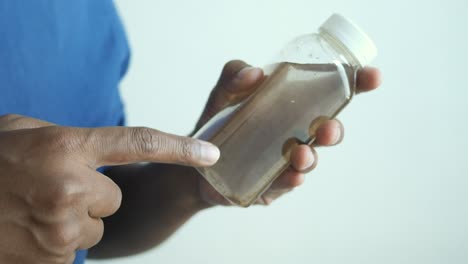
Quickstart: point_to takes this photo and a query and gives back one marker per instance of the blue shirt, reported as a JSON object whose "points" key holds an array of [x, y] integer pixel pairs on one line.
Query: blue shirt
{"points": [[61, 61]]}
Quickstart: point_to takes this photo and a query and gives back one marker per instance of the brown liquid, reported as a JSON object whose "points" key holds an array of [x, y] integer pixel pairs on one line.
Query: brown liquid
{"points": [[256, 137]]}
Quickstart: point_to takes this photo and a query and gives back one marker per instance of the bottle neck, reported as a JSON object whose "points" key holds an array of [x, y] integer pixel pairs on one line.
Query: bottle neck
{"points": [[346, 57], [341, 49]]}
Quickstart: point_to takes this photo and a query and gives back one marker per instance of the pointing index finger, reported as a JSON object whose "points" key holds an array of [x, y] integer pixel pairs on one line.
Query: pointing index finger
{"points": [[124, 145]]}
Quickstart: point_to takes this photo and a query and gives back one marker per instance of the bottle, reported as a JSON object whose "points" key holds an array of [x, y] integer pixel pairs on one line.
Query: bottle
{"points": [[310, 82]]}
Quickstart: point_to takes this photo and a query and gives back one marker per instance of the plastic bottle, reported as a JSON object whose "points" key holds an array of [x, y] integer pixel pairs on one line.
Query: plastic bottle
{"points": [[313, 79]]}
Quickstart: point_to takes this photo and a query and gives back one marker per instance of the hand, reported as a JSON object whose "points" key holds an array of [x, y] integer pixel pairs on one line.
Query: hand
{"points": [[51, 197], [238, 80]]}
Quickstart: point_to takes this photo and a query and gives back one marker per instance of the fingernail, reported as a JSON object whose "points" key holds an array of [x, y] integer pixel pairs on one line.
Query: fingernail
{"points": [[310, 160], [209, 153], [242, 73], [337, 134]]}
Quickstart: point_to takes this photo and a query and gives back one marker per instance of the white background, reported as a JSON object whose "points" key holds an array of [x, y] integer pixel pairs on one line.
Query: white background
{"points": [[395, 191]]}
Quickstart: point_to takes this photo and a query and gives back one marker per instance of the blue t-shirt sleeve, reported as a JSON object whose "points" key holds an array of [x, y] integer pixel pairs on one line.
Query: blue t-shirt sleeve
{"points": [[80, 257], [62, 61]]}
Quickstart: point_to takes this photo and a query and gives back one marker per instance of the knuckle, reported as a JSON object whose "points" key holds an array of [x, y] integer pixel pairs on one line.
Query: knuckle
{"points": [[62, 139], [9, 117], [188, 150], [8, 121], [63, 195], [98, 232], [117, 198], [143, 140], [63, 235]]}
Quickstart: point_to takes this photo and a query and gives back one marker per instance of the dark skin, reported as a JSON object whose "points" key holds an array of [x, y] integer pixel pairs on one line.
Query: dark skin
{"points": [[159, 198], [52, 200]]}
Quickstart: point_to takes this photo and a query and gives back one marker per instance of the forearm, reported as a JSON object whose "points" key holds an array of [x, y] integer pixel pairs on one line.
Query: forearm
{"points": [[157, 200]]}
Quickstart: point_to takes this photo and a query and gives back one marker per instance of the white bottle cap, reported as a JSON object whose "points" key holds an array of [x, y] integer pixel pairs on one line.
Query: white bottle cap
{"points": [[351, 36]]}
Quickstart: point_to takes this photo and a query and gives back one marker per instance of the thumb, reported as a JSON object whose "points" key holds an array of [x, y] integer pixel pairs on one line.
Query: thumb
{"points": [[15, 122], [238, 80], [124, 145]]}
